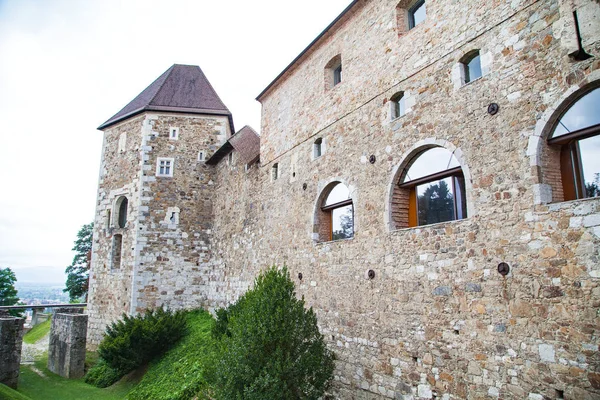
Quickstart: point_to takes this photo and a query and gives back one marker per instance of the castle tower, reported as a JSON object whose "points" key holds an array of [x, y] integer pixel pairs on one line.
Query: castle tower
{"points": [[153, 218]]}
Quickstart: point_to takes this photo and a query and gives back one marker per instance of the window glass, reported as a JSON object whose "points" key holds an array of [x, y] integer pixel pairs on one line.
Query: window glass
{"points": [[435, 202], [589, 150], [583, 114], [342, 222], [429, 162], [337, 75], [317, 148], [339, 193], [399, 105], [473, 69], [123, 213], [417, 14]]}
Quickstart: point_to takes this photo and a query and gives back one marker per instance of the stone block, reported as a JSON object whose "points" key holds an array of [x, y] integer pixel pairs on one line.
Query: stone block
{"points": [[66, 351], [11, 340]]}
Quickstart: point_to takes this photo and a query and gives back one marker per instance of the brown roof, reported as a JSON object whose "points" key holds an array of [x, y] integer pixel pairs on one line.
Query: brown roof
{"points": [[246, 142], [181, 88], [325, 31]]}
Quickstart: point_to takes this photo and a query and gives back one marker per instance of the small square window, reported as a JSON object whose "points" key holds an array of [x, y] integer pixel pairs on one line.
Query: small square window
{"points": [[164, 167], [201, 156], [417, 14], [472, 67], [173, 133]]}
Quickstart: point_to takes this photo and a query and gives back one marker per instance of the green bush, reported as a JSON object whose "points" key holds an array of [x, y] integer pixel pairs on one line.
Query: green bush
{"points": [[102, 375], [134, 341], [270, 346]]}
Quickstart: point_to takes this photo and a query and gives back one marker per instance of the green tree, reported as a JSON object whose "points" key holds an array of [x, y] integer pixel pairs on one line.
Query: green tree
{"points": [[8, 293], [78, 277], [270, 346]]}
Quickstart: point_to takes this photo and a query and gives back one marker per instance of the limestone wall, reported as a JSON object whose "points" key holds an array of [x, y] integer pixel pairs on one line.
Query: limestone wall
{"points": [[438, 320], [66, 350], [11, 341]]}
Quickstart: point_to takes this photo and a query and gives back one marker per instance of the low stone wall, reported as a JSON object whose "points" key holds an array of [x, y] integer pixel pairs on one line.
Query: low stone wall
{"points": [[11, 340], [66, 352]]}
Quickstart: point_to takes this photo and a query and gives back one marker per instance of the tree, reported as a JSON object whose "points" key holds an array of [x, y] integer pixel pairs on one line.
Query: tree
{"points": [[78, 273], [592, 189], [270, 346], [8, 293]]}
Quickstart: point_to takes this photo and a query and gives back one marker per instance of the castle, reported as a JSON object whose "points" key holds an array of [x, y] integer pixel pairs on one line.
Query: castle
{"points": [[427, 171]]}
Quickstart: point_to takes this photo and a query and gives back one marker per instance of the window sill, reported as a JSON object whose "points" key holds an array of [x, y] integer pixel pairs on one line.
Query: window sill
{"points": [[437, 225], [334, 241], [560, 205], [471, 82]]}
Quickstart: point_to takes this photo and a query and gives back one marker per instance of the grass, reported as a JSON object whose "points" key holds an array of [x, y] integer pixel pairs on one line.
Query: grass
{"points": [[7, 393], [37, 332], [179, 374], [38, 383]]}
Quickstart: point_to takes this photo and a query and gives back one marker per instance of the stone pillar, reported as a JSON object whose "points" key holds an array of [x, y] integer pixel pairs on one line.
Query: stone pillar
{"points": [[66, 352], [11, 340]]}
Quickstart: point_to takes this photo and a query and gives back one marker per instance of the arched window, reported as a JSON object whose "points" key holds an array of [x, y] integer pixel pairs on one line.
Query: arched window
{"points": [[471, 65], [577, 132], [431, 189], [333, 72], [335, 217], [121, 205]]}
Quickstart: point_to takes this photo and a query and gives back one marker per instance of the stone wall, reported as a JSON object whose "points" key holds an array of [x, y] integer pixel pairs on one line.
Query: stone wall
{"points": [[438, 320], [165, 243], [11, 341], [66, 351]]}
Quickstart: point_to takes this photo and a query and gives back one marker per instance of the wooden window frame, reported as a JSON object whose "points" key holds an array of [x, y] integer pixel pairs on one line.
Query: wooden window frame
{"points": [[571, 168], [413, 207], [328, 211]]}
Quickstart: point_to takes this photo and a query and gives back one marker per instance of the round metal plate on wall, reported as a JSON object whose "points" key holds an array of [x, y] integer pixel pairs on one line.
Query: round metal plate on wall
{"points": [[493, 108], [503, 269], [372, 159]]}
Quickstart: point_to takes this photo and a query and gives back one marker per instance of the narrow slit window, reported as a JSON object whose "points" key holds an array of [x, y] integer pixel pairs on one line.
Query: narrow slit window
{"points": [[116, 251], [173, 133], [398, 103], [318, 148], [337, 75], [122, 219], [275, 172]]}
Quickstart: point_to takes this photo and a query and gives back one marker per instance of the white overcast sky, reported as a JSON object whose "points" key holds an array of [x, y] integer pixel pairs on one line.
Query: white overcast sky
{"points": [[66, 66]]}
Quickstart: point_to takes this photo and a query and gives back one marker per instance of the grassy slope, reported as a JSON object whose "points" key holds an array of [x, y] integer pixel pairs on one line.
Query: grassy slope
{"points": [[37, 332], [7, 393], [54, 387], [179, 373]]}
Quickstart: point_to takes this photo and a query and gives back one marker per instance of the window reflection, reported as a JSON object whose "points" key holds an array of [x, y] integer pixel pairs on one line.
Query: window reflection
{"points": [[342, 223], [430, 162], [578, 134], [417, 14], [336, 219], [473, 69], [584, 113], [589, 149], [435, 202]]}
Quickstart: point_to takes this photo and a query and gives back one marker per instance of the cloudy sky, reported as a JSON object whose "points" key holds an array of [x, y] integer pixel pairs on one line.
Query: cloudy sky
{"points": [[66, 66]]}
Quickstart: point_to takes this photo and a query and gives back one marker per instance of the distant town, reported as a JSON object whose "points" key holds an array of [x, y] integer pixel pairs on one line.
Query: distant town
{"points": [[41, 293]]}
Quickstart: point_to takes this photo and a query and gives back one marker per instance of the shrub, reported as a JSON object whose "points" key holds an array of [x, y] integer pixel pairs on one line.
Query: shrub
{"points": [[133, 341], [270, 345], [102, 375]]}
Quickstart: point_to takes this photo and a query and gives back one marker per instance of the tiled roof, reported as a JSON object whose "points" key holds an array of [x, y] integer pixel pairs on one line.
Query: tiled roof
{"points": [[181, 88], [246, 142]]}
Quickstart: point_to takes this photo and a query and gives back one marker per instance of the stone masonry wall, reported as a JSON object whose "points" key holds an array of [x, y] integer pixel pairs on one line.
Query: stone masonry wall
{"points": [[173, 250], [438, 320], [110, 287], [66, 351], [11, 341]]}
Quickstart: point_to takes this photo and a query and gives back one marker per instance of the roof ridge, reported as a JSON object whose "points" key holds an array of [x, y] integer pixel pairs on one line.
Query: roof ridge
{"points": [[168, 73]]}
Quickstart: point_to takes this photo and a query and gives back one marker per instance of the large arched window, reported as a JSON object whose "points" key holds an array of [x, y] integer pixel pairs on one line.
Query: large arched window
{"points": [[577, 132], [431, 189], [335, 217]]}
